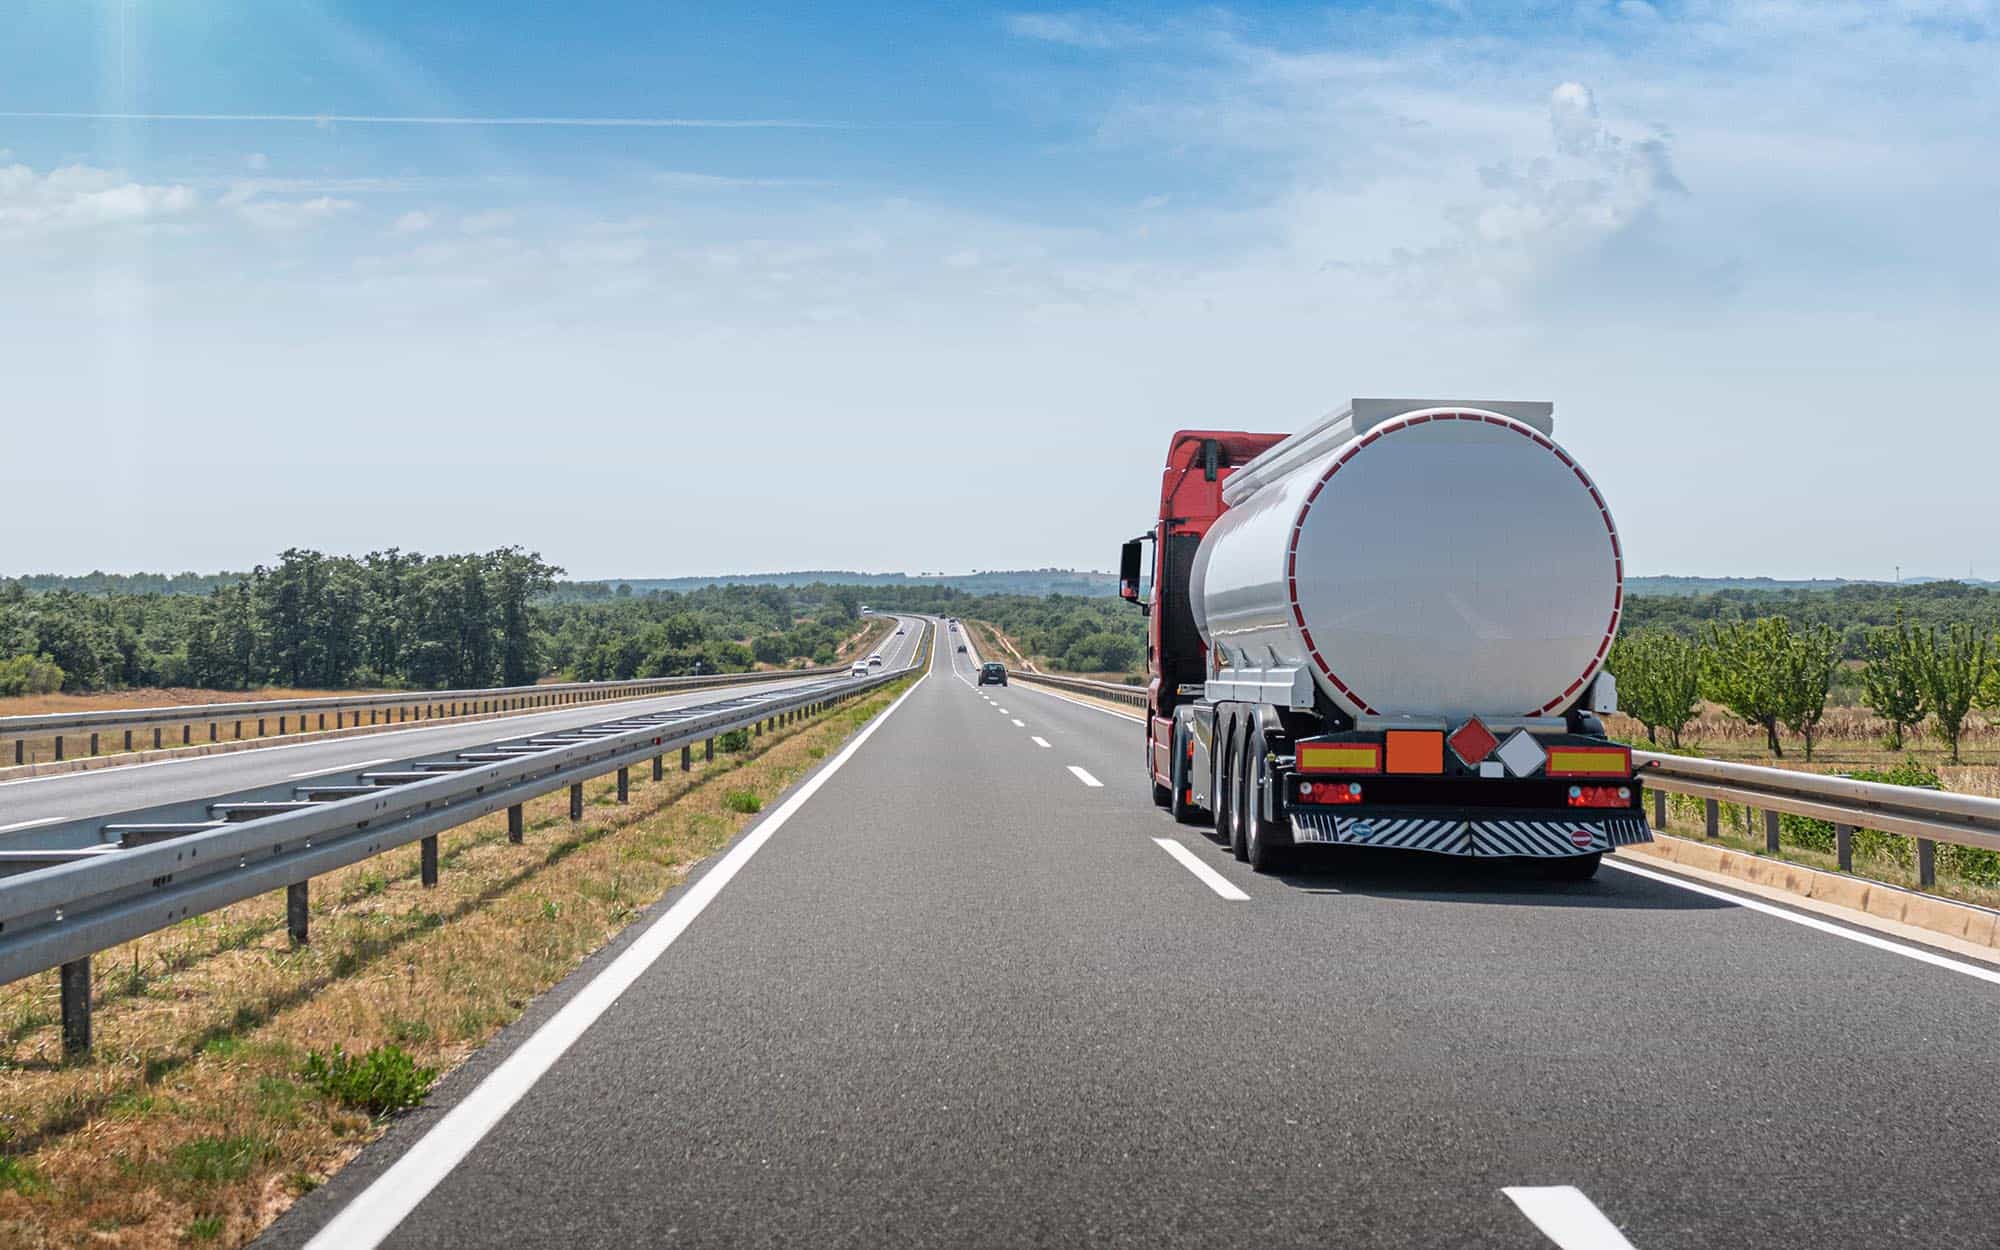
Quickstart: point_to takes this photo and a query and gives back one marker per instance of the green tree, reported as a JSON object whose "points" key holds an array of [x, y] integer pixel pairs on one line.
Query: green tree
{"points": [[1810, 659], [1659, 681], [1892, 683], [1744, 669], [1956, 668]]}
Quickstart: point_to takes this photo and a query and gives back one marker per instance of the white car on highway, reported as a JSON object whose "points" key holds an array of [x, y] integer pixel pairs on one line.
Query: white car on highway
{"points": [[860, 669]]}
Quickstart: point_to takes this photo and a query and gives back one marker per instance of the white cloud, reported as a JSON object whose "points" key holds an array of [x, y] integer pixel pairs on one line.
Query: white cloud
{"points": [[257, 161], [1073, 29], [79, 197], [283, 216], [416, 221]]}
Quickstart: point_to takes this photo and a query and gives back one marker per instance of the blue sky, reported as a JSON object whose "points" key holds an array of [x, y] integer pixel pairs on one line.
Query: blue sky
{"points": [[928, 289]]}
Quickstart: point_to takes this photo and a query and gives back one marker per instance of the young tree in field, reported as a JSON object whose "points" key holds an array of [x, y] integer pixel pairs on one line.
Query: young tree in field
{"points": [[1744, 669], [1892, 684], [1659, 681], [1808, 671], [1956, 666]]}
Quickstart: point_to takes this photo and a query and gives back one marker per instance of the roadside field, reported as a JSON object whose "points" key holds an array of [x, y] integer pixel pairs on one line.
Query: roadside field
{"points": [[216, 1095]]}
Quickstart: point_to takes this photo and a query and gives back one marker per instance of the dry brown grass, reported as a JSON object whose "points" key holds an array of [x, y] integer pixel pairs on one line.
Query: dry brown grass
{"points": [[192, 1116], [156, 696]]}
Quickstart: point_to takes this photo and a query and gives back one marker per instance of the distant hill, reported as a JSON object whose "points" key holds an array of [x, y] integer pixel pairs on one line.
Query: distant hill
{"points": [[991, 582], [1709, 585]]}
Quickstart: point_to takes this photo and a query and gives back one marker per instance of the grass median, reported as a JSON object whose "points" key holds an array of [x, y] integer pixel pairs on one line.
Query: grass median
{"points": [[232, 1073]]}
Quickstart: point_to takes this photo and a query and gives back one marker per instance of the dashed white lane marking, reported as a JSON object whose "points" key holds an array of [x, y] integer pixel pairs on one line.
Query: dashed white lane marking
{"points": [[339, 768], [1003, 711], [1040, 742], [29, 824], [1567, 1218], [1085, 777], [1989, 975], [1202, 872], [374, 1213], [1019, 723]]}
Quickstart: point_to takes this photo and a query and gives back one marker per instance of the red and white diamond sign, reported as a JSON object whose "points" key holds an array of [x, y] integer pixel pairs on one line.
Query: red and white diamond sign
{"points": [[1472, 742]]}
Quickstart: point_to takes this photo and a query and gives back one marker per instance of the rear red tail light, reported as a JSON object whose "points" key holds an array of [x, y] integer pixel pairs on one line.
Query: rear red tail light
{"points": [[1600, 796], [1330, 791]]}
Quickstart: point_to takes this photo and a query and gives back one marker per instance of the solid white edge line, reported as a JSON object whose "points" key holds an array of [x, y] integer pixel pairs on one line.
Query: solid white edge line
{"points": [[377, 1210], [1567, 1217], [30, 824], [1040, 742], [339, 768], [1095, 707], [1086, 778], [1989, 975], [1202, 872]]}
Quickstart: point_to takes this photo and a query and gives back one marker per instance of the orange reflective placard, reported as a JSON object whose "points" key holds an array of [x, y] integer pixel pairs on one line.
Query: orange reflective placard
{"points": [[1339, 757], [1415, 751]]}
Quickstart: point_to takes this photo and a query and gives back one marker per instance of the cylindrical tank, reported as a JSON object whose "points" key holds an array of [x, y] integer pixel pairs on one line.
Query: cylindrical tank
{"points": [[1446, 562]]}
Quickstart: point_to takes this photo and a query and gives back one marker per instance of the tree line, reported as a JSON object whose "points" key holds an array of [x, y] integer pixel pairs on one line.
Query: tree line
{"points": [[402, 619], [1771, 673]]}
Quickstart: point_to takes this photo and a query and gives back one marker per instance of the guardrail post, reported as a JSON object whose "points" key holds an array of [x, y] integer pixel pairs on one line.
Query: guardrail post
{"points": [[1771, 832], [514, 824], [624, 785], [239, 731], [1926, 863], [76, 1006], [297, 914], [20, 751], [708, 750], [1843, 846], [93, 744], [211, 731], [659, 767], [59, 746], [187, 734], [260, 726], [576, 801], [281, 725], [1712, 818], [427, 861], [687, 758], [756, 731], [156, 737]]}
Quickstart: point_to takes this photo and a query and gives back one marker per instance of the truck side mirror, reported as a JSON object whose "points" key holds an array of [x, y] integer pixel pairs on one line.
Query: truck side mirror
{"points": [[1130, 561]]}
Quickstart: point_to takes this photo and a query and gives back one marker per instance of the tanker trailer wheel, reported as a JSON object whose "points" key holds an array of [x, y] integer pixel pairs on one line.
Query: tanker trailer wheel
{"points": [[1572, 867], [1239, 789], [1224, 782], [1269, 840], [1182, 804]]}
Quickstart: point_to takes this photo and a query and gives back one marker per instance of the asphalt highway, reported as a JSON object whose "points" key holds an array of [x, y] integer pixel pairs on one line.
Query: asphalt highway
{"points": [[968, 986], [37, 803]]}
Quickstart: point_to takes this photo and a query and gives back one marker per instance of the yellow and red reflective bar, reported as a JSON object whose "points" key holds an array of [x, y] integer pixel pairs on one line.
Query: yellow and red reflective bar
{"points": [[1339, 757], [1568, 761]]}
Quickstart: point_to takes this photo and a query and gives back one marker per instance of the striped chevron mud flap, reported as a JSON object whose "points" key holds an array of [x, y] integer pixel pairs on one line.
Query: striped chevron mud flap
{"points": [[1537, 837]]}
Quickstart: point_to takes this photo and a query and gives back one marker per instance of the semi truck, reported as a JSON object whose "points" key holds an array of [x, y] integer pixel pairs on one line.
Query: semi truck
{"points": [[1387, 630]]}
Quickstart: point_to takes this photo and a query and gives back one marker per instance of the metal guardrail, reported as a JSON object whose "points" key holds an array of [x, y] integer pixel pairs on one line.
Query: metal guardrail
{"points": [[62, 914], [1135, 695], [426, 704], [1927, 816]]}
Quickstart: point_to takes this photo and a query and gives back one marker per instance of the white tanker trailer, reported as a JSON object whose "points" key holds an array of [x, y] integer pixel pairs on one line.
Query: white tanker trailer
{"points": [[1387, 630]]}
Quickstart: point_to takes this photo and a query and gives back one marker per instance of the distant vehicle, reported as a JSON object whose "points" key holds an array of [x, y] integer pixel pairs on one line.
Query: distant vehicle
{"points": [[992, 673], [899, 633], [860, 669], [1434, 688], [961, 648], [874, 661]]}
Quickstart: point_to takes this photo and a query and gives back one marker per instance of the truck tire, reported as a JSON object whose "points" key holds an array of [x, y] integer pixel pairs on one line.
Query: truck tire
{"points": [[1269, 840], [1239, 786], [1572, 867], [1224, 785], [1182, 805]]}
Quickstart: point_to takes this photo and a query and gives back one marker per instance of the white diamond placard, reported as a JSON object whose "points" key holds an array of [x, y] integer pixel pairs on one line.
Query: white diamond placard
{"points": [[1522, 755]]}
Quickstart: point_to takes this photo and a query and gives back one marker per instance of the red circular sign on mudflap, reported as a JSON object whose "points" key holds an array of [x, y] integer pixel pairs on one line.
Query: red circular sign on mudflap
{"points": [[1580, 839]]}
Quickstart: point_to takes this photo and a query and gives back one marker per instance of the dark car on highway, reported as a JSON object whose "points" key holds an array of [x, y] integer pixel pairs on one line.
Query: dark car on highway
{"points": [[993, 673]]}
